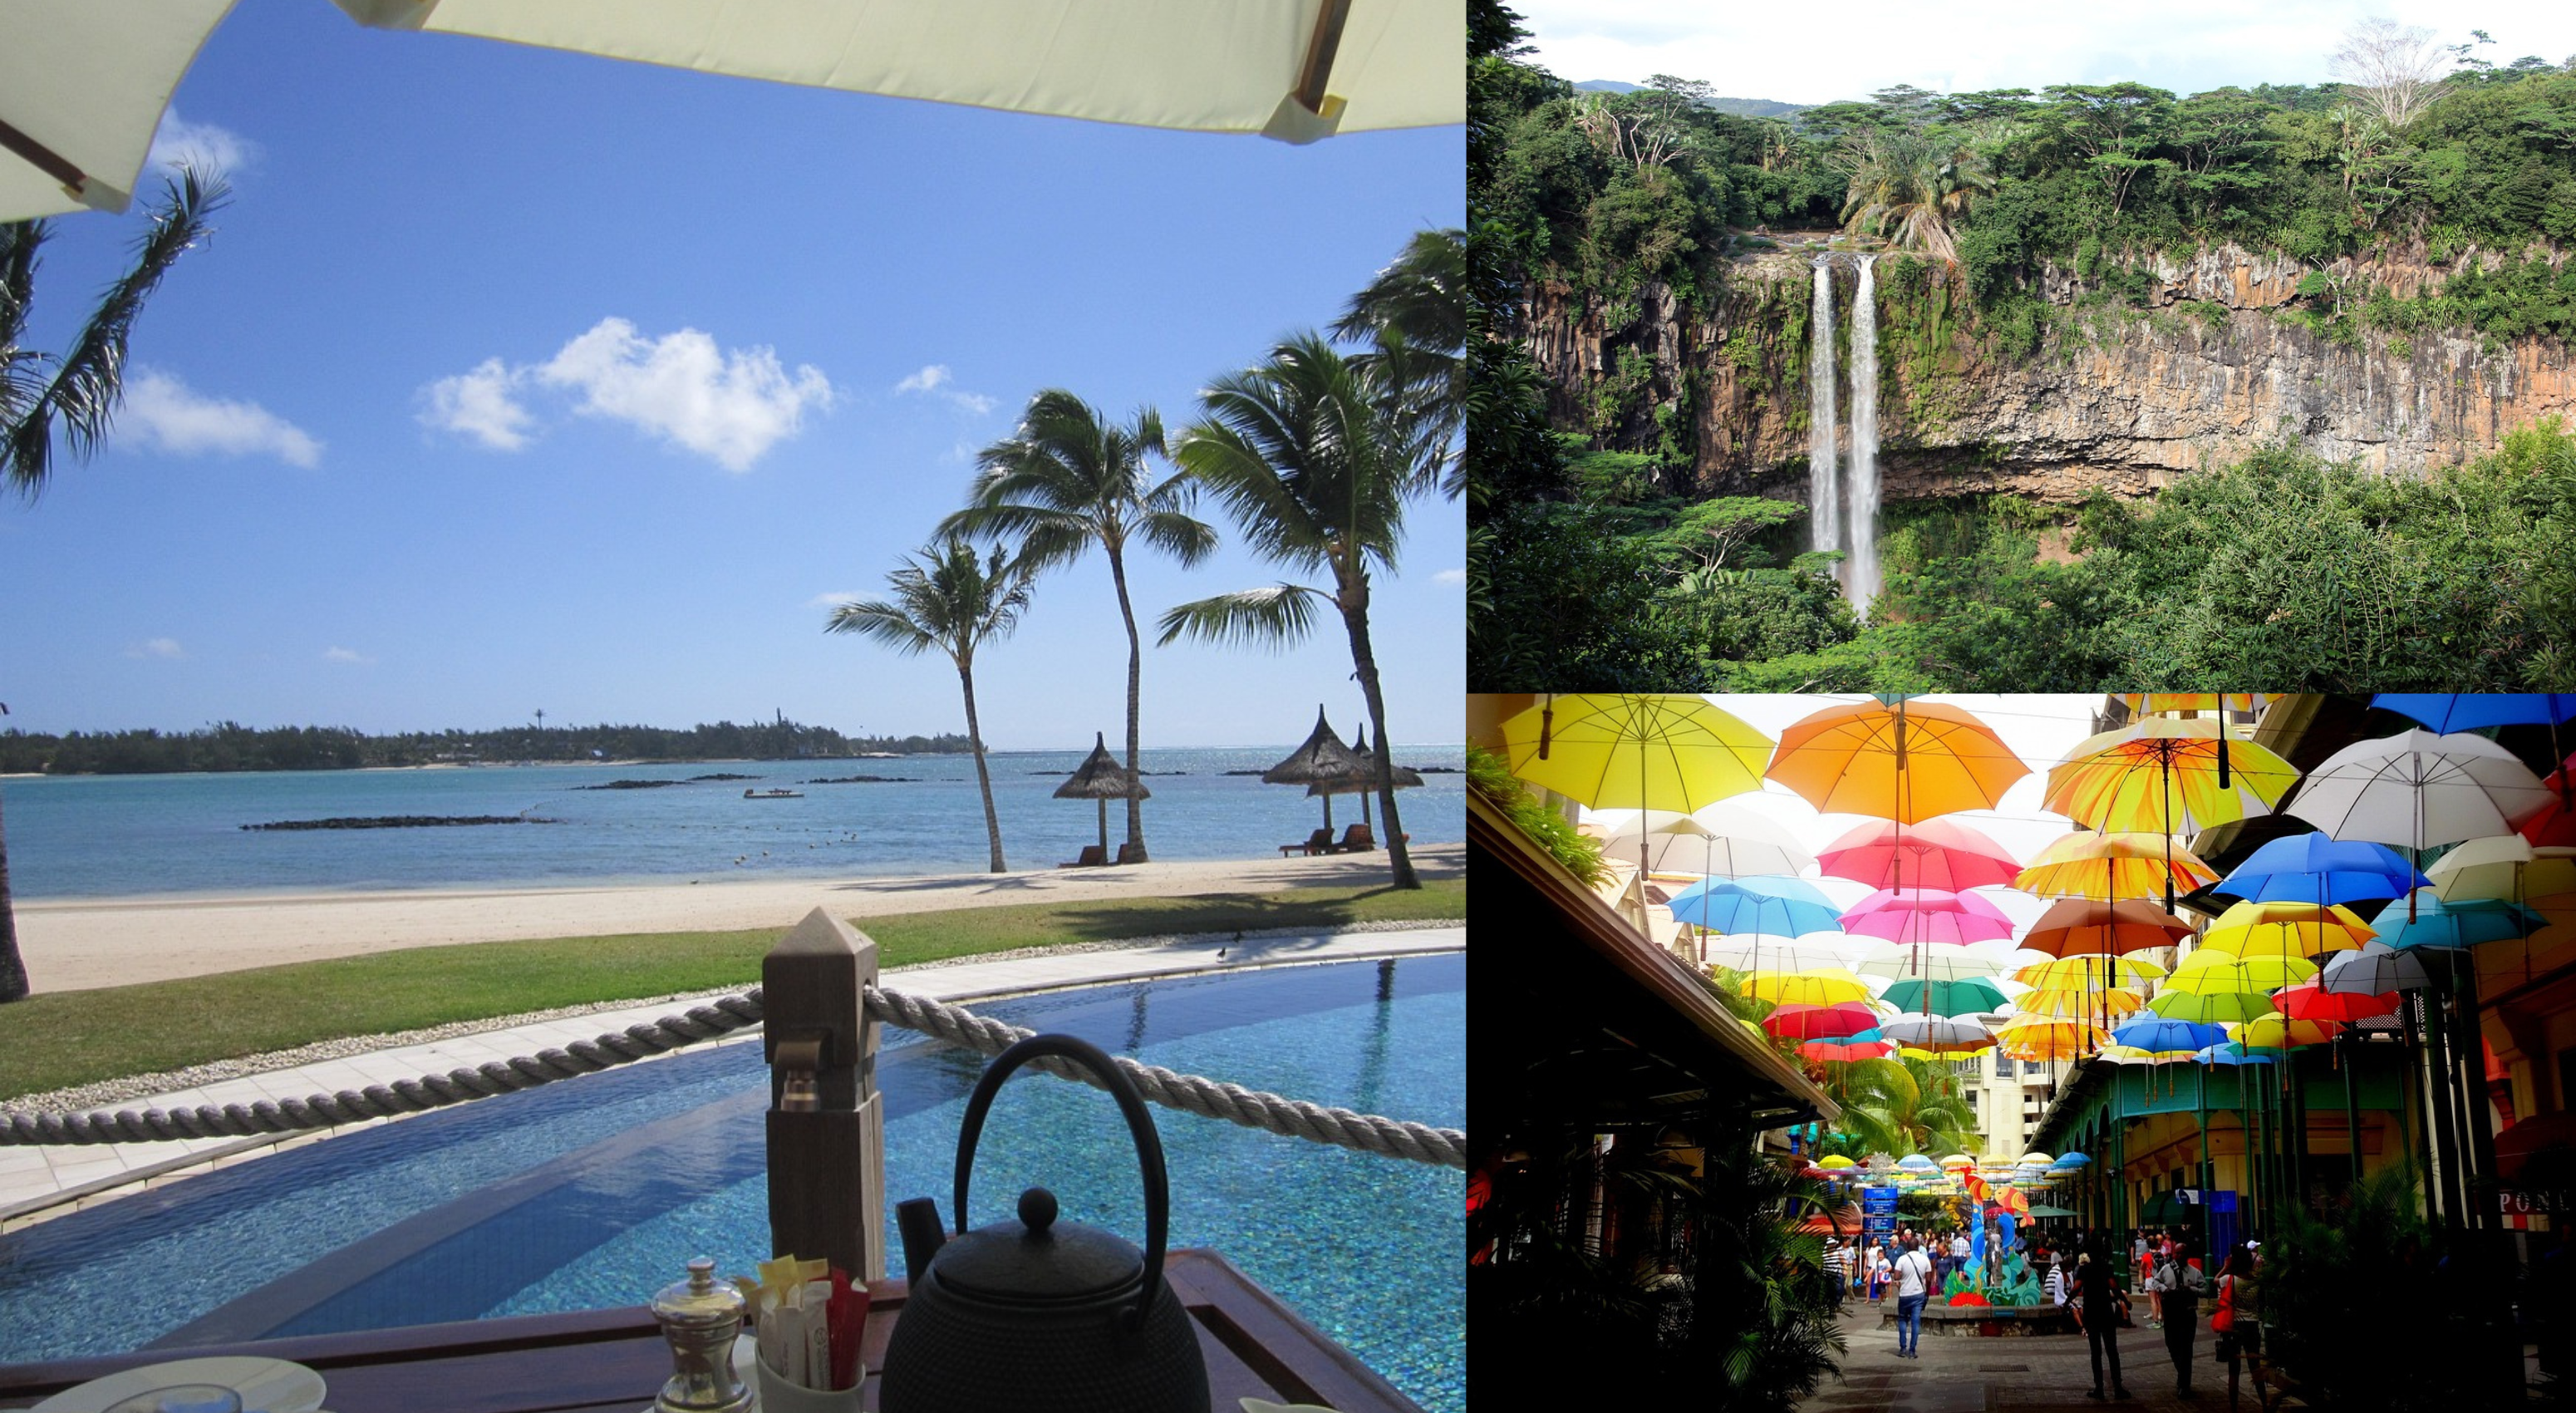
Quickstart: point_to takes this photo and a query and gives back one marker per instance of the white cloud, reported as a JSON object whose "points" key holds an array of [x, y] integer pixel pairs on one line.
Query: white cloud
{"points": [[211, 150], [344, 655], [166, 649], [934, 378], [728, 406], [478, 405], [1450, 576], [834, 599], [165, 414]]}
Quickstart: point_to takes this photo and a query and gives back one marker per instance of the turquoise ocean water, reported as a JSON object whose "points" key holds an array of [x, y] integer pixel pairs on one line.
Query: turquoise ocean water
{"points": [[108, 836]]}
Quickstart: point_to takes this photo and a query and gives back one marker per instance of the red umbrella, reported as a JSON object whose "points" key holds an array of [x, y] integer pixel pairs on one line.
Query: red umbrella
{"points": [[1936, 853], [2554, 826], [1927, 915], [2305, 1002], [1846, 1050], [1799, 1022], [2090, 927]]}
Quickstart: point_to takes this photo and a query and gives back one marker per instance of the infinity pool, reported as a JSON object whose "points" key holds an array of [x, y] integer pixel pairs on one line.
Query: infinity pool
{"points": [[596, 1191]]}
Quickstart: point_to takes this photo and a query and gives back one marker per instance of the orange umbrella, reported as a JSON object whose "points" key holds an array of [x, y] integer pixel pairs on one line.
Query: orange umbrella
{"points": [[1905, 760], [2106, 867], [2167, 777], [2074, 925]]}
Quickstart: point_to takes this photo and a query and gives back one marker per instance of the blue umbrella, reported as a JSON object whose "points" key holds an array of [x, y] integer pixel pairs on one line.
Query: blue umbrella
{"points": [[1771, 907], [2158, 1033], [1916, 1163], [2070, 1160], [2467, 711], [2311, 868], [2232, 1053], [2462, 922]]}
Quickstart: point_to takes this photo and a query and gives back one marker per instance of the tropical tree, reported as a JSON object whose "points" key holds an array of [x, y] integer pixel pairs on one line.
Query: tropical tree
{"points": [[75, 392], [1310, 454], [945, 598], [1900, 1106], [1068, 479], [1910, 183], [1414, 316]]}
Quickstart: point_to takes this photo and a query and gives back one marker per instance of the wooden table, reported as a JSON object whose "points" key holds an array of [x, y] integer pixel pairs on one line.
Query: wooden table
{"points": [[614, 1361]]}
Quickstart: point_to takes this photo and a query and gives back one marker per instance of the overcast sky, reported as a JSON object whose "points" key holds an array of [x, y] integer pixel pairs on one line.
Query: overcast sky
{"points": [[514, 379], [1799, 55]]}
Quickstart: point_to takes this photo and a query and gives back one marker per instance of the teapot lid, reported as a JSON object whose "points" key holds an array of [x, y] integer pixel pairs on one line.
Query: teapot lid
{"points": [[1036, 1261]]}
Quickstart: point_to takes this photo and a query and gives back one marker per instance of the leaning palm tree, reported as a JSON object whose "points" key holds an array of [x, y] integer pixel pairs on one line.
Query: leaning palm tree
{"points": [[1068, 479], [1414, 314], [947, 599], [1308, 453], [1909, 184], [77, 391]]}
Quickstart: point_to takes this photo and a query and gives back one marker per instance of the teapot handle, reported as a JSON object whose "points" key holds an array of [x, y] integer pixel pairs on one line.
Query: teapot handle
{"points": [[1140, 1126]]}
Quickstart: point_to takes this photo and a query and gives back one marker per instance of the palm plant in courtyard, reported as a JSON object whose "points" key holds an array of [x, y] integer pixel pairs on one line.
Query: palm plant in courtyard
{"points": [[947, 598], [1900, 1106], [1313, 455], [1068, 479], [76, 392]]}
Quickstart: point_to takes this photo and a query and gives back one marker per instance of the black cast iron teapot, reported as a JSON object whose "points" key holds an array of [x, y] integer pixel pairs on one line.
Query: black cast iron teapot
{"points": [[1037, 1313]]}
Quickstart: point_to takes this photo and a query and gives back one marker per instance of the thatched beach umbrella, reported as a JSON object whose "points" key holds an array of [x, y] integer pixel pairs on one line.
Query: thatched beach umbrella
{"points": [[1322, 759], [1363, 781], [1100, 777]]}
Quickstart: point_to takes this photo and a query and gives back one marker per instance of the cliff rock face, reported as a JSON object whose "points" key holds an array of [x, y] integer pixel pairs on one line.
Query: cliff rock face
{"points": [[2112, 398]]}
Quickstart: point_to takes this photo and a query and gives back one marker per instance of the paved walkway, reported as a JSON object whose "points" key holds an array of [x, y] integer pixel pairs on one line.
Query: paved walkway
{"points": [[2024, 1374], [41, 1182]]}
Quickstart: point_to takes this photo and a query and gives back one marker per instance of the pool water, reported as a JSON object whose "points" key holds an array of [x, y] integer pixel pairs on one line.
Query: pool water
{"points": [[595, 1192]]}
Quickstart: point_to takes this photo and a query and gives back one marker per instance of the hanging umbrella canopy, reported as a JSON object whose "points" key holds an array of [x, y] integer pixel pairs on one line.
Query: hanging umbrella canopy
{"points": [[2556, 824], [2309, 1003], [2232, 1053], [1810, 988], [2080, 972], [82, 87], [1770, 907], [2071, 1160], [1296, 70], [2468, 711], [2375, 968], [1944, 998], [2140, 1055], [2214, 1007], [2048, 1038], [2417, 789], [1100, 777], [2285, 930], [1757, 953], [2160, 776], [2111, 1001], [1932, 964], [1920, 915], [1836, 1161], [1809, 1022], [1937, 853], [1723, 840], [2074, 925], [1847, 1049], [1957, 1162], [2465, 923], [2159, 1033], [2110, 866], [1917, 1163], [1942, 1035], [1636, 751], [2312, 868], [2505, 866], [1906, 761], [2279, 1032], [2149, 703], [2210, 973]]}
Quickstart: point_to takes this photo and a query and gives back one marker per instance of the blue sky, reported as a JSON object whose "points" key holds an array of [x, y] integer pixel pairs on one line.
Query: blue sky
{"points": [[2189, 46], [515, 379]]}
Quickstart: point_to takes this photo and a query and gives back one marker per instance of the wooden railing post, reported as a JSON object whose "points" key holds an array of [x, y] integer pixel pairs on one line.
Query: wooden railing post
{"points": [[826, 1124]]}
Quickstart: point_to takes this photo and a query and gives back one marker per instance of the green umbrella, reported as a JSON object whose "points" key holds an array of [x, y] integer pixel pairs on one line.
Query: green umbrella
{"points": [[2212, 1007], [1973, 996]]}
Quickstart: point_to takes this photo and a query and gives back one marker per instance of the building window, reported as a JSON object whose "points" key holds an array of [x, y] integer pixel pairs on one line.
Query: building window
{"points": [[2003, 1067]]}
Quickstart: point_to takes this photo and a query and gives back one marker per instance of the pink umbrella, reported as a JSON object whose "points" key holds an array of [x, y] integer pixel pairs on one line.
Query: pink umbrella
{"points": [[1927, 915], [1819, 1022], [1846, 1050], [1935, 853]]}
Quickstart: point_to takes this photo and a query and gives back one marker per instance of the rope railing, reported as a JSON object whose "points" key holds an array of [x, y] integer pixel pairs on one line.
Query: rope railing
{"points": [[1296, 1118]]}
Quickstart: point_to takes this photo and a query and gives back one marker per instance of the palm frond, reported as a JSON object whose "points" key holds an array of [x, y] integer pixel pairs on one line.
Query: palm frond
{"points": [[1276, 618], [884, 622], [1186, 540]]}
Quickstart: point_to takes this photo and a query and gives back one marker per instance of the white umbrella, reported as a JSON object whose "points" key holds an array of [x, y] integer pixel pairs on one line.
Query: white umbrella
{"points": [[1932, 963], [2416, 789], [1749, 953], [2503, 866], [1717, 841], [82, 86], [2375, 970], [1297, 70], [1937, 1032]]}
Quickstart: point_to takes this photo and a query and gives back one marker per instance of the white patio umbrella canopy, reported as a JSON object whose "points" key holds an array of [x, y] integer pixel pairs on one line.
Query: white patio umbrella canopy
{"points": [[1297, 70], [82, 86], [1717, 841], [2416, 789], [2503, 866]]}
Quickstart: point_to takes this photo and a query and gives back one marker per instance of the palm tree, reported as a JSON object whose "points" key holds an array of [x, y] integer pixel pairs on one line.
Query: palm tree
{"points": [[1901, 1106], [1909, 183], [1414, 313], [78, 390], [1308, 453], [1068, 479], [945, 598]]}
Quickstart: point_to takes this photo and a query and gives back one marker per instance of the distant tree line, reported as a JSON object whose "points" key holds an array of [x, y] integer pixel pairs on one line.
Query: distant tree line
{"points": [[229, 745]]}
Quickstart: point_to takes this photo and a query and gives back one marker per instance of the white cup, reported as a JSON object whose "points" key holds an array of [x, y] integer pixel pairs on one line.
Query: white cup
{"points": [[778, 1395]]}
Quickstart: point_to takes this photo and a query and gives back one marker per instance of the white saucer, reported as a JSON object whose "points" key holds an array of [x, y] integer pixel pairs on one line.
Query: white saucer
{"points": [[267, 1385]]}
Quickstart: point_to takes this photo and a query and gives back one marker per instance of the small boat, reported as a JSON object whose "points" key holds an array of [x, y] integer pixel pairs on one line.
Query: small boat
{"points": [[773, 794]]}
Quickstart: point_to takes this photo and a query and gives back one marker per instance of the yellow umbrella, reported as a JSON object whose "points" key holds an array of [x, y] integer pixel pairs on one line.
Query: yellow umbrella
{"points": [[2160, 775], [2207, 973], [2286, 930], [1906, 761], [2106, 867], [1808, 988], [2278, 1032], [2132, 1055], [1957, 1162], [2048, 1038], [2087, 971], [2069, 1002], [1636, 751]]}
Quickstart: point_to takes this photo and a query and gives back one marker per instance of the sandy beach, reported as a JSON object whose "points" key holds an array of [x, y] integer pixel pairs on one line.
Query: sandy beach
{"points": [[79, 944]]}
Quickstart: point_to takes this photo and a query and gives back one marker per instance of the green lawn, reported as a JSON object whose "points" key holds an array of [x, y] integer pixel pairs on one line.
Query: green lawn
{"points": [[50, 1041]]}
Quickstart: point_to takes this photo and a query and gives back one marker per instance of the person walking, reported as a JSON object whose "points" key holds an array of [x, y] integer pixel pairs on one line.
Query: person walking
{"points": [[2099, 1305], [1837, 1269], [2178, 1285], [2150, 1252], [1878, 1264], [1913, 1275], [2238, 1320]]}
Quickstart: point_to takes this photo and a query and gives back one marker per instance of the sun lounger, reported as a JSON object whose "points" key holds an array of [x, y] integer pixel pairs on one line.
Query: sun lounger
{"points": [[1319, 842], [1093, 856], [1131, 853], [1358, 839]]}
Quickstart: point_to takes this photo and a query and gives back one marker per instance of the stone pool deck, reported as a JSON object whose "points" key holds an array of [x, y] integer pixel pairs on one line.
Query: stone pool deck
{"points": [[37, 1183]]}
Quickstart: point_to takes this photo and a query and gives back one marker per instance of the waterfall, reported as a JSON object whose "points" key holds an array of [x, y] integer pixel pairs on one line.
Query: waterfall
{"points": [[1861, 577], [1825, 508]]}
